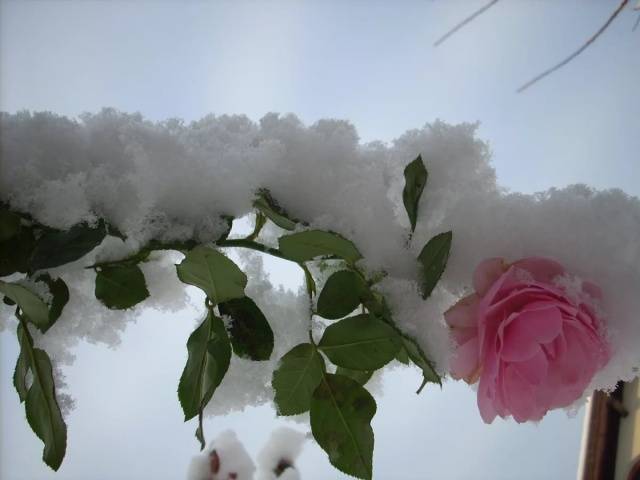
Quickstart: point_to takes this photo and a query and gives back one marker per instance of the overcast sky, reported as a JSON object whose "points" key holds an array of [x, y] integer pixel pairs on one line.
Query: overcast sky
{"points": [[371, 63]]}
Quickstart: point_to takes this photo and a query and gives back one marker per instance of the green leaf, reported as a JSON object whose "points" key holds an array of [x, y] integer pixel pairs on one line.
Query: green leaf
{"points": [[298, 374], [120, 286], [20, 372], [378, 307], [209, 355], [274, 212], [415, 178], [58, 288], [403, 356], [375, 303], [307, 245], [214, 273], [341, 412], [361, 342], [56, 247], [309, 281], [32, 306], [433, 258], [341, 294], [43, 412], [417, 356], [15, 252], [360, 376], [9, 225], [251, 335]]}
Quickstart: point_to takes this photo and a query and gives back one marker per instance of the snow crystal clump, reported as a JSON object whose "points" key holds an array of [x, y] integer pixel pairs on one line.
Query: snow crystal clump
{"points": [[277, 458], [171, 180], [227, 459]]}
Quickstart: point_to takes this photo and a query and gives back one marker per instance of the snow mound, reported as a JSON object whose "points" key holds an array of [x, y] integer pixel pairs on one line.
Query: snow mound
{"points": [[171, 180]]}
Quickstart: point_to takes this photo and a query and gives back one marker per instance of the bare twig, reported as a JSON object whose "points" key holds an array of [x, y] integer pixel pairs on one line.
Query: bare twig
{"points": [[635, 26], [593, 38], [464, 22]]}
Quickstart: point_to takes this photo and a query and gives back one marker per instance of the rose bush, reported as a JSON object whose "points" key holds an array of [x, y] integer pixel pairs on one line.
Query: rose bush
{"points": [[533, 343]]}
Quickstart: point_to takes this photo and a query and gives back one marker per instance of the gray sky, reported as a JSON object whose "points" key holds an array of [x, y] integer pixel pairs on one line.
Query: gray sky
{"points": [[371, 63]]}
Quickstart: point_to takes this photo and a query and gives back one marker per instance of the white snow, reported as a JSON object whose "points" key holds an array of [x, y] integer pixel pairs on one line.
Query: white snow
{"points": [[282, 448], [199, 468], [229, 459], [232, 460], [171, 180]]}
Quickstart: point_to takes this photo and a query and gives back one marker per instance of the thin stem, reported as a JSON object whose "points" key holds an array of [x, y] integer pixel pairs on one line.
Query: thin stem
{"points": [[377, 277], [422, 385], [260, 221], [201, 429], [466, 21], [244, 243], [593, 38], [409, 238], [140, 256], [310, 289]]}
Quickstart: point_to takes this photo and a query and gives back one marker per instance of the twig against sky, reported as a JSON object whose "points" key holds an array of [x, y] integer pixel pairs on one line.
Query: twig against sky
{"points": [[592, 39], [635, 26], [464, 22]]}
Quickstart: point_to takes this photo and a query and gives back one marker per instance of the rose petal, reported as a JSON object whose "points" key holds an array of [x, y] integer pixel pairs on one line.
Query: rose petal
{"points": [[534, 369], [486, 274], [592, 290], [541, 269], [517, 299], [485, 400], [570, 374], [519, 395], [465, 360], [524, 334], [500, 288], [492, 319], [587, 317], [462, 314], [463, 335], [492, 310], [556, 348]]}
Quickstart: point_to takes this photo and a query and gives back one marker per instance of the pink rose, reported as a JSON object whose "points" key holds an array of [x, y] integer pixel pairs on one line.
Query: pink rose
{"points": [[533, 344]]}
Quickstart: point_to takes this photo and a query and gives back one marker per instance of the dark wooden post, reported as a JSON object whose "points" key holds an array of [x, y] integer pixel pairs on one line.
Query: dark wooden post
{"points": [[602, 441]]}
